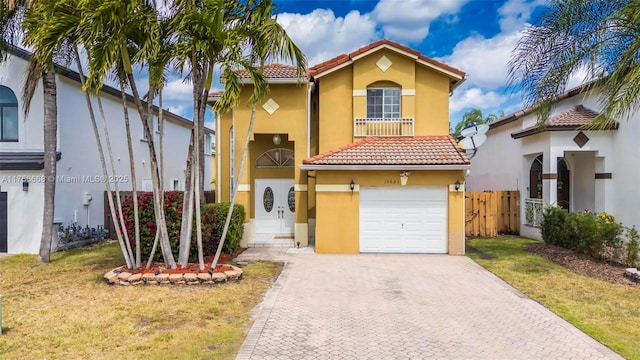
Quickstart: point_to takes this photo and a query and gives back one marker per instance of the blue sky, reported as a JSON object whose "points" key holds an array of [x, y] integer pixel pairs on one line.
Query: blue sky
{"points": [[476, 36]]}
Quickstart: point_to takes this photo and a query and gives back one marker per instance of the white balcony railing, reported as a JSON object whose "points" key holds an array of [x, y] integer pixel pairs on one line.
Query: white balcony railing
{"points": [[533, 211], [363, 127]]}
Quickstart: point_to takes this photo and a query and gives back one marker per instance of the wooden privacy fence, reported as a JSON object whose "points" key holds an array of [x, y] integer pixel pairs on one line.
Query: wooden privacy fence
{"points": [[490, 213], [209, 198]]}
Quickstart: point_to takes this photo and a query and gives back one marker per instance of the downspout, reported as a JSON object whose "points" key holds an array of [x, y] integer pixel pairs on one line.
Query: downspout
{"points": [[310, 89]]}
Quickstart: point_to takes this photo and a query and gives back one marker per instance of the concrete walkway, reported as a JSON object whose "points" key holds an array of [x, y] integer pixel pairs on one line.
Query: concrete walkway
{"points": [[403, 307]]}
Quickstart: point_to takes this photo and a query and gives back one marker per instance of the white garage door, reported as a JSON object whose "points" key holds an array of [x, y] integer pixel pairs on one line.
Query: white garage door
{"points": [[403, 219]]}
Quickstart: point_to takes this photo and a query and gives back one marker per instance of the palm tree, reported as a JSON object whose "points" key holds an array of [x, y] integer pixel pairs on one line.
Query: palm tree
{"points": [[107, 30], [601, 37], [471, 118], [11, 14], [266, 40]]}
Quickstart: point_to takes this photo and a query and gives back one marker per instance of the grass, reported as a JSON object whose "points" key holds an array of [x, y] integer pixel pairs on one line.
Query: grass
{"points": [[609, 313], [64, 310]]}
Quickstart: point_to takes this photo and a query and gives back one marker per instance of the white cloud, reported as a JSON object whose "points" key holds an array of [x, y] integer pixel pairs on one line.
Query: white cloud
{"points": [[177, 109], [409, 20], [178, 89], [580, 76], [484, 60], [321, 35], [475, 98], [516, 13]]}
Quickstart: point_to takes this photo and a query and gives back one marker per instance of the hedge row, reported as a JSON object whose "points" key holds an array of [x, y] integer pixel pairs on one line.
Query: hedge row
{"points": [[597, 235], [212, 218]]}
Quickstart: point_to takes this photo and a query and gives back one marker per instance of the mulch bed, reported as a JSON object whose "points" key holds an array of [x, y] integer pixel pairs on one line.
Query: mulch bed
{"points": [[581, 264], [193, 268]]}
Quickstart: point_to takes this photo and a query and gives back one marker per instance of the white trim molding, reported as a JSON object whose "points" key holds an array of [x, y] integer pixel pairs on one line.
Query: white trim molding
{"points": [[408, 92], [244, 187], [384, 46], [383, 167], [336, 188], [438, 68], [300, 187], [359, 92]]}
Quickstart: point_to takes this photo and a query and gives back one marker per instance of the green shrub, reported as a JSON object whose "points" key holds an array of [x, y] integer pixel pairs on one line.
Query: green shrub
{"points": [[213, 217], [236, 226], [584, 232], [633, 240], [553, 225]]}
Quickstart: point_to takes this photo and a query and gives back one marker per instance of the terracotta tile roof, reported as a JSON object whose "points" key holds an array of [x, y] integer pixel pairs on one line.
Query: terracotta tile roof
{"points": [[274, 71], [418, 150], [523, 112], [343, 58], [571, 119], [576, 116], [216, 93]]}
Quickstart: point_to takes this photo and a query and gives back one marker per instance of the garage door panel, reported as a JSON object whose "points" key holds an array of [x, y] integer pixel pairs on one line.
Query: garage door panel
{"points": [[403, 220]]}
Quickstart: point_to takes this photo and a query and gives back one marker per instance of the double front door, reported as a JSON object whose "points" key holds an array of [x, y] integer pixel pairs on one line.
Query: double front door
{"points": [[275, 204]]}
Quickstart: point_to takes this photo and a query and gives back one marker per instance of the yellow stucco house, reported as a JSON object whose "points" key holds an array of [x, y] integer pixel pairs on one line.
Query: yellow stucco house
{"points": [[355, 157]]}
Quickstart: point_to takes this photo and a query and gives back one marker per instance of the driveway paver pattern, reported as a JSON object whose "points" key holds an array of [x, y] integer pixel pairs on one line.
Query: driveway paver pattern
{"points": [[383, 306]]}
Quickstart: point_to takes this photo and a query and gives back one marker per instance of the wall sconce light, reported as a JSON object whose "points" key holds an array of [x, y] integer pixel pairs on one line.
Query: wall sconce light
{"points": [[457, 185], [25, 185], [276, 139], [352, 186], [404, 176]]}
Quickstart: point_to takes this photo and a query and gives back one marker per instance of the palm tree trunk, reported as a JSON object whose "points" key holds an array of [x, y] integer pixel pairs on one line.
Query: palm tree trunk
{"points": [[186, 226], [198, 187], [132, 165], [214, 263], [107, 140], [127, 255], [161, 222], [50, 162]]}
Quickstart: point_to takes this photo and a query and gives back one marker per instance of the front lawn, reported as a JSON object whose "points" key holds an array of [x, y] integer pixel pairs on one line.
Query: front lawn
{"points": [[64, 310], [610, 313]]}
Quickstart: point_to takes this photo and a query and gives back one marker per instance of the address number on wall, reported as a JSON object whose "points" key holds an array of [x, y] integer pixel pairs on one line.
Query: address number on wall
{"points": [[391, 181]]}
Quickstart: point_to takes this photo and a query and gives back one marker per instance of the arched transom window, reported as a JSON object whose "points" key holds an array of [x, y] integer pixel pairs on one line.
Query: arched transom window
{"points": [[276, 158], [8, 115], [535, 178]]}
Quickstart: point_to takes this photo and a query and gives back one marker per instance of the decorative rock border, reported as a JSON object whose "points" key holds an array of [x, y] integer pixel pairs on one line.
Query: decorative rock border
{"points": [[119, 276], [632, 274]]}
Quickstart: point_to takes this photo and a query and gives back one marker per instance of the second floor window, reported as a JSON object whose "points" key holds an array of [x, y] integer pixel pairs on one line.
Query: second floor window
{"points": [[8, 115], [383, 103]]}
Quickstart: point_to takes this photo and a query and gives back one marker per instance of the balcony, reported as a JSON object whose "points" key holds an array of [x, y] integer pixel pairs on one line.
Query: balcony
{"points": [[533, 211], [364, 127]]}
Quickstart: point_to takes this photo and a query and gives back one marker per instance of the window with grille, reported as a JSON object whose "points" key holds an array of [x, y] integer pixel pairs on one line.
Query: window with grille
{"points": [[383, 103]]}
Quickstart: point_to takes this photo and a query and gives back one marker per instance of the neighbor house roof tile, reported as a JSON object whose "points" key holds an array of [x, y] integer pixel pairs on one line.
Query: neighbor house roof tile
{"points": [[571, 119], [274, 71], [418, 150]]}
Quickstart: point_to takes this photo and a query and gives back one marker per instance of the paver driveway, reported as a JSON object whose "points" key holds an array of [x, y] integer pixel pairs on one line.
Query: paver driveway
{"points": [[403, 307]]}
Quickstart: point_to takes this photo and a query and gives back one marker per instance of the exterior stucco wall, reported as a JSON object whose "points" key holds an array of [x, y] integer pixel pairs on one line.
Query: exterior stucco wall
{"points": [[337, 208], [503, 163], [79, 171], [432, 103], [335, 110], [290, 122]]}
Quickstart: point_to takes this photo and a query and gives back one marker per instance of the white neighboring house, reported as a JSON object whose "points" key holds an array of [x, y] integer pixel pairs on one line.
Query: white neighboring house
{"points": [[562, 164], [79, 188]]}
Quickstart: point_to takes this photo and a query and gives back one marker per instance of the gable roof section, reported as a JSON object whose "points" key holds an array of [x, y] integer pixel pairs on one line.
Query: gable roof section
{"points": [[572, 119], [343, 60], [419, 152], [523, 112]]}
